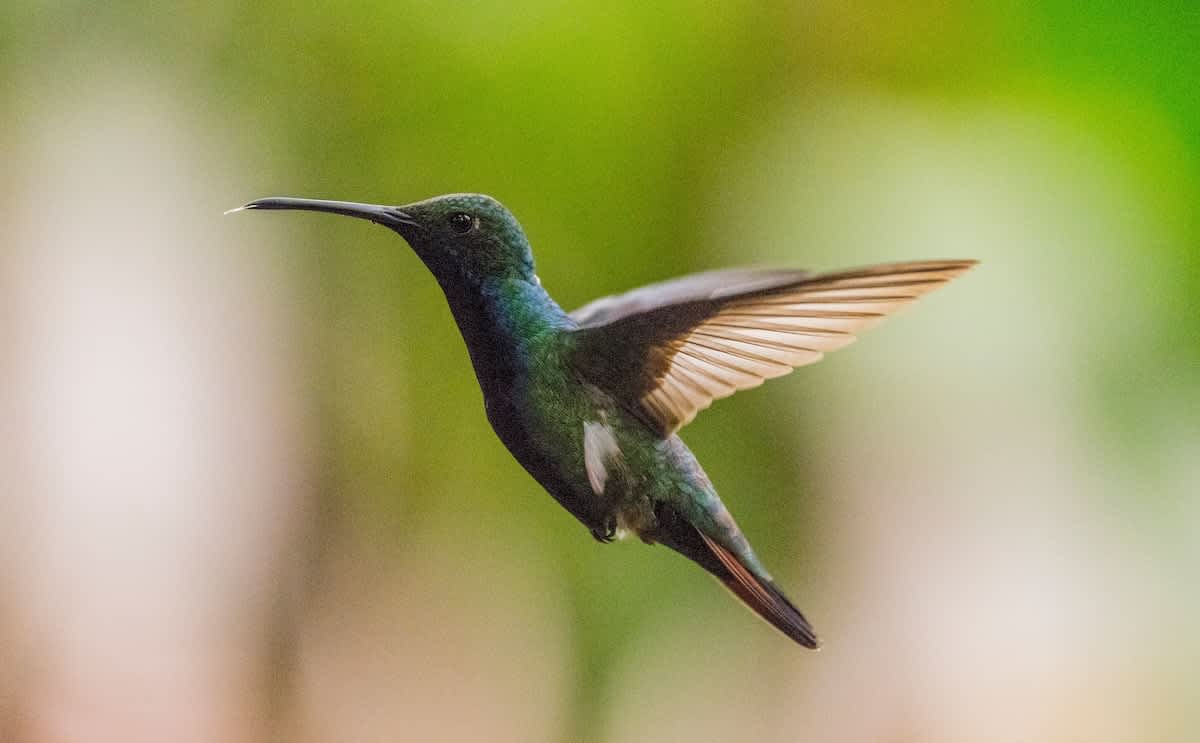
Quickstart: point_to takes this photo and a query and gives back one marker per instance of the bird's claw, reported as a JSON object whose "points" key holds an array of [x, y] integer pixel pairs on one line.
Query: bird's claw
{"points": [[605, 532]]}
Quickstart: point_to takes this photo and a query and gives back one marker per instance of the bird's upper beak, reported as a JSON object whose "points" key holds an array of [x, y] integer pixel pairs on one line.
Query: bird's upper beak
{"points": [[388, 216]]}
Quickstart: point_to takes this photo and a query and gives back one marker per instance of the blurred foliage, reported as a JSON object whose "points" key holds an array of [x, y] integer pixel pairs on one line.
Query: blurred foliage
{"points": [[621, 134]]}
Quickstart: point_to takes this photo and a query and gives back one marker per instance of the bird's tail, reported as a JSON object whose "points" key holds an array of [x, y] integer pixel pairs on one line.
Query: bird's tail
{"points": [[755, 589], [762, 596]]}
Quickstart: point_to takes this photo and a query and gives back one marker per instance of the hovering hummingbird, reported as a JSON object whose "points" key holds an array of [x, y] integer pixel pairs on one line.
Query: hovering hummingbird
{"points": [[589, 402]]}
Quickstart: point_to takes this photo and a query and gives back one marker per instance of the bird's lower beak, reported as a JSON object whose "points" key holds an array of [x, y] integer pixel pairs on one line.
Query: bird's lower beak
{"points": [[388, 216]]}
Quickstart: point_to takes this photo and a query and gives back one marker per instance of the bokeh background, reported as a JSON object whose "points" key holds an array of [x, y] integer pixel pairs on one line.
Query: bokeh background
{"points": [[247, 490]]}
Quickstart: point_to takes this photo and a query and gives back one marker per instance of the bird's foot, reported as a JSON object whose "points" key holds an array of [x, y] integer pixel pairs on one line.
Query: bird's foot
{"points": [[605, 532]]}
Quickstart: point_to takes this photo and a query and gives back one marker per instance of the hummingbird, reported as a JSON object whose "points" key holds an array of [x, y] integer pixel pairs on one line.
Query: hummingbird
{"points": [[590, 402]]}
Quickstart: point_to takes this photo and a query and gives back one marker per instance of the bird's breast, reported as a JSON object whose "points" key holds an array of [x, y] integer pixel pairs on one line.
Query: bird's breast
{"points": [[538, 421]]}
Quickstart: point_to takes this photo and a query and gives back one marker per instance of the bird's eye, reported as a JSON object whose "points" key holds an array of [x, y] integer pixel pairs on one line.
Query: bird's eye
{"points": [[461, 222]]}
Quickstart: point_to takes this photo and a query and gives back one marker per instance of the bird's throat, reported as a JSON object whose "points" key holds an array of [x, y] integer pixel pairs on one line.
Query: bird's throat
{"points": [[502, 322]]}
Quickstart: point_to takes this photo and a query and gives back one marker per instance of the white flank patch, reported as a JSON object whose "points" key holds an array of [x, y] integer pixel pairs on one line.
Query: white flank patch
{"points": [[599, 449]]}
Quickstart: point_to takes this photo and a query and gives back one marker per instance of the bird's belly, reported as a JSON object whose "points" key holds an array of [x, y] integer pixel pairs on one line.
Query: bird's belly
{"points": [[602, 464], [544, 445], [596, 458]]}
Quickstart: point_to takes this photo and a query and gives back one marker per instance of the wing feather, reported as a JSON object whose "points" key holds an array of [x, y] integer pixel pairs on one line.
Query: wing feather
{"points": [[670, 349]]}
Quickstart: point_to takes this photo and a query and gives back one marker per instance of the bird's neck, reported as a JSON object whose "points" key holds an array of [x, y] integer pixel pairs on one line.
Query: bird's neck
{"points": [[501, 321]]}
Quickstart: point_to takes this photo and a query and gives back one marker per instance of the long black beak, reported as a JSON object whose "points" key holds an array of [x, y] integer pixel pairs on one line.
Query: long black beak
{"points": [[388, 216]]}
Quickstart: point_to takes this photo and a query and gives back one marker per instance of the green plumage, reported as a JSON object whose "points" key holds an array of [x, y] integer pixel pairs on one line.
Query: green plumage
{"points": [[589, 402]]}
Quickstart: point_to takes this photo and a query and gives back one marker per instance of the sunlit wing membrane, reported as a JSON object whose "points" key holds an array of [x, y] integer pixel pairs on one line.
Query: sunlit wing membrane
{"points": [[739, 337]]}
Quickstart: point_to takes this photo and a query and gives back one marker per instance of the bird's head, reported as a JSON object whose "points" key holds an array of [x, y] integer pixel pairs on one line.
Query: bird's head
{"points": [[468, 237]]}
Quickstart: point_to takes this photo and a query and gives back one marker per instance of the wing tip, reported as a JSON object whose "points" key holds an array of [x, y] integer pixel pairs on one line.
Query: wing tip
{"points": [[954, 266], [961, 265]]}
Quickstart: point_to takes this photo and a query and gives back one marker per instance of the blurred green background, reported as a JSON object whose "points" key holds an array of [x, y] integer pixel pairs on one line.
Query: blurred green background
{"points": [[250, 492]]}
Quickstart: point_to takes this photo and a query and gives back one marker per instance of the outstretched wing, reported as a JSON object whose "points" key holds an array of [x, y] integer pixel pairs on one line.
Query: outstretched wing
{"points": [[668, 350]]}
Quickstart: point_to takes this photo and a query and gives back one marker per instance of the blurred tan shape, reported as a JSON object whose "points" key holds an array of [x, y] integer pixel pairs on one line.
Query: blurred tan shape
{"points": [[463, 639], [156, 443]]}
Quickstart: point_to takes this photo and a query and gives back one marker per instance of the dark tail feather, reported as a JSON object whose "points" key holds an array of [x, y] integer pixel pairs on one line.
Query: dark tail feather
{"points": [[763, 598]]}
